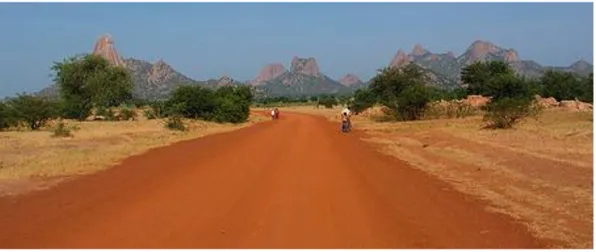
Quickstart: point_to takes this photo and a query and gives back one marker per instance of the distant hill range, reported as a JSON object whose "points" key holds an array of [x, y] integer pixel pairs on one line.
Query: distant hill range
{"points": [[304, 78]]}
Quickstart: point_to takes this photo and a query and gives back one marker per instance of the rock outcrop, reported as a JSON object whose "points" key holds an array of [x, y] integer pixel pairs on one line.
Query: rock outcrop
{"points": [[400, 59], [268, 73], [349, 80], [105, 48], [307, 66]]}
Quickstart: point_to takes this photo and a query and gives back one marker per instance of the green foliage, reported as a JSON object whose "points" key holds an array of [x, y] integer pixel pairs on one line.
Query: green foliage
{"points": [[61, 130], [192, 101], [565, 86], [327, 101], [127, 113], [403, 91], [107, 114], [226, 104], [33, 110], [587, 88], [7, 116], [363, 98], [437, 94], [175, 123], [506, 112], [88, 81], [478, 76], [512, 95], [232, 104]]}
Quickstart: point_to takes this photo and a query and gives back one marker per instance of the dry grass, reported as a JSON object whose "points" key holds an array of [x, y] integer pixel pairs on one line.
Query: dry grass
{"points": [[540, 172], [94, 145]]}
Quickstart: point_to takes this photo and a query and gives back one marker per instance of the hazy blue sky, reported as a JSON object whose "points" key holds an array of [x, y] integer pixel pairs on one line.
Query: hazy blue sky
{"points": [[207, 40]]}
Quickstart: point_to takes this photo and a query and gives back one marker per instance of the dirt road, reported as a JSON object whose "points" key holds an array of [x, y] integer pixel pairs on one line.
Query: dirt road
{"points": [[292, 183]]}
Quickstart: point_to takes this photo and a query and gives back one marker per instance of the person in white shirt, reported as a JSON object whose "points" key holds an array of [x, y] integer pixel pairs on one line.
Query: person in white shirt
{"points": [[345, 114]]}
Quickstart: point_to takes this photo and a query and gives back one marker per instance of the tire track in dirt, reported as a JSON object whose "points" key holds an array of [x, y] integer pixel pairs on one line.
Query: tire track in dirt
{"points": [[296, 182]]}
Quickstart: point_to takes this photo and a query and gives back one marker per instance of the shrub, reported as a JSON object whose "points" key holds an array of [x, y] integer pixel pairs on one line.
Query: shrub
{"points": [[61, 130], [402, 90], [91, 81], [149, 114], [7, 117], [175, 123], [107, 114], [32, 110], [506, 112], [327, 101], [363, 99], [127, 113]]}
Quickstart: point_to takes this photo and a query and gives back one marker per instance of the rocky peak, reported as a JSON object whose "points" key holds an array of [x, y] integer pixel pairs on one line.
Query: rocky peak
{"points": [[105, 48], [350, 80], [268, 73], [581, 65], [511, 55], [401, 59], [480, 48], [450, 55], [160, 71], [225, 80], [419, 50], [306, 66]]}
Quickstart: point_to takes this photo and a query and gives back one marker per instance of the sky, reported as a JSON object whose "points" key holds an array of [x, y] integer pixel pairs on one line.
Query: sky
{"points": [[209, 40]]}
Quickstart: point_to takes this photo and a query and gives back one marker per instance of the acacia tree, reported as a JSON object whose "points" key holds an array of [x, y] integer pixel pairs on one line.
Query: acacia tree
{"points": [[511, 94], [33, 110], [90, 81], [403, 90], [478, 75]]}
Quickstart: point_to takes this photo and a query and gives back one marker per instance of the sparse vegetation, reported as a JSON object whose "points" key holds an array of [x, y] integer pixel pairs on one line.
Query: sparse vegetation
{"points": [[327, 101], [62, 130], [32, 110], [127, 113], [175, 123]]}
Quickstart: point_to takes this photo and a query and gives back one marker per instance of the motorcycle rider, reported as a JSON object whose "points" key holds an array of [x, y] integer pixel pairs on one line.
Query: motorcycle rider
{"points": [[346, 113]]}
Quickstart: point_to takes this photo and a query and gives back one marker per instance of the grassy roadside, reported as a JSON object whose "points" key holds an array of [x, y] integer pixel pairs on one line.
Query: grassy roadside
{"points": [[28, 155]]}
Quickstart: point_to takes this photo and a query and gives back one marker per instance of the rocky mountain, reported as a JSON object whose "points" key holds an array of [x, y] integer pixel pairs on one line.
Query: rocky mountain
{"points": [[151, 80], [157, 80], [268, 73], [446, 68], [303, 79]]}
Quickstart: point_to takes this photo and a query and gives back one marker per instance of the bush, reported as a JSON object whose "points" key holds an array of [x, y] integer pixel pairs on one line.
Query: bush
{"points": [[107, 114], [327, 101], [233, 104], [91, 81], [149, 114], [402, 90], [127, 113], [363, 99], [175, 123], [7, 117], [448, 109], [61, 130], [33, 110], [506, 112]]}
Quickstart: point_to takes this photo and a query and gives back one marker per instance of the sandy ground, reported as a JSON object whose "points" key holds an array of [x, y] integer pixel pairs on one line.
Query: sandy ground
{"points": [[296, 182], [540, 173]]}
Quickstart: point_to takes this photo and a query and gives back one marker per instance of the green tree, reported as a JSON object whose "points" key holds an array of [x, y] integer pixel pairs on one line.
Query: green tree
{"points": [[192, 101], [402, 90], [7, 117], [587, 89], [33, 110], [561, 85], [363, 98], [233, 104], [477, 76], [88, 81]]}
